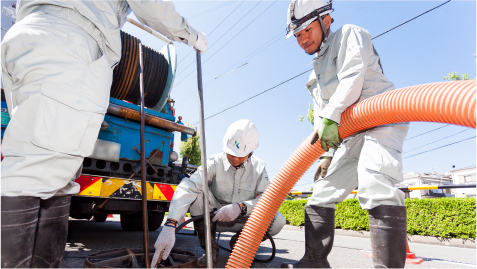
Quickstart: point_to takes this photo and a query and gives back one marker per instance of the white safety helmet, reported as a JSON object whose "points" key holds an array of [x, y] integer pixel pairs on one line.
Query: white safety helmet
{"points": [[303, 12], [241, 138]]}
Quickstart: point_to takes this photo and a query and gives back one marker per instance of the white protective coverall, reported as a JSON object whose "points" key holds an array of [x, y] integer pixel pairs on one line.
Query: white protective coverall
{"points": [[57, 65], [348, 71], [227, 185]]}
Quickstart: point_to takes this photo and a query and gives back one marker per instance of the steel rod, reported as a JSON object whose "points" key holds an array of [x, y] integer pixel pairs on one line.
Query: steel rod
{"points": [[149, 30], [205, 182], [143, 164], [412, 188], [150, 119]]}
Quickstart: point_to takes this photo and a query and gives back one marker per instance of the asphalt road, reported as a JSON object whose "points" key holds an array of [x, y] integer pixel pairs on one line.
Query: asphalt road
{"points": [[87, 237]]}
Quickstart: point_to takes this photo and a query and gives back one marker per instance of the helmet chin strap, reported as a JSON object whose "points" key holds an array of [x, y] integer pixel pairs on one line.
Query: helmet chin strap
{"points": [[323, 30]]}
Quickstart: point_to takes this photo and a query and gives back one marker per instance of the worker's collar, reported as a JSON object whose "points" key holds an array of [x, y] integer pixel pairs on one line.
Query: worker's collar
{"points": [[228, 166], [324, 46]]}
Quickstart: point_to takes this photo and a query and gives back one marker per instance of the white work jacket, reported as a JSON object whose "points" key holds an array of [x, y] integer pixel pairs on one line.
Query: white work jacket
{"points": [[109, 16], [348, 71], [226, 183]]}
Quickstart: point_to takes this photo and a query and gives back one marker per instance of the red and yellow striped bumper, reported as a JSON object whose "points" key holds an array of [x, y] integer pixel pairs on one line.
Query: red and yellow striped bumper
{"points": [[107, 187]]}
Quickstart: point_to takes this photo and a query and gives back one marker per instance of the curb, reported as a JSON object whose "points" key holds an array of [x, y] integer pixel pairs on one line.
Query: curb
{"points": [[431, 240]]}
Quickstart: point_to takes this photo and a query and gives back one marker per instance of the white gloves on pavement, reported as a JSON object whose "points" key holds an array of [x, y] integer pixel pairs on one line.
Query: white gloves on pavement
{"points": [[165, 241], [201, 43], [228, 213]]}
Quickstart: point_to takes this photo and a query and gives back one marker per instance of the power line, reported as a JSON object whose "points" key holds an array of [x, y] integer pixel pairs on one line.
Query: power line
{"points": [[223, 46], [278, 36], [436, 141], [219, 24], [312, 69], [440, 147], [447, 125], [257, 95], [410, 20], [226, 32], [248, 57], [209, 10]]}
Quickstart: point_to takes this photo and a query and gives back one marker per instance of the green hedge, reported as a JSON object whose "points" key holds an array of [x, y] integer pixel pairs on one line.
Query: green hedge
{"points": [[440, 217]]}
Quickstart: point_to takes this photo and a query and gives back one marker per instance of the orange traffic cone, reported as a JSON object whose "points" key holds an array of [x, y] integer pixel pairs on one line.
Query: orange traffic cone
{"points": [[186, 225], [410, 256]]}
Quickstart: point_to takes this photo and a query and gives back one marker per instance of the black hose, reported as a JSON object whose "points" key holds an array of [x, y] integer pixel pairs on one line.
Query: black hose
{"points": [[274, 248]]}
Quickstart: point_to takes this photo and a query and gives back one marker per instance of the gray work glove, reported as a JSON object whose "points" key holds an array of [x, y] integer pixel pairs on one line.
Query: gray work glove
{"points": [[165, 241], [228, 213], [323, 167]]}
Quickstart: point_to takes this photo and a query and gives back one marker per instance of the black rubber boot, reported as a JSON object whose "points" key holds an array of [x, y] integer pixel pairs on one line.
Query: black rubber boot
{"points": [[388, 229], [51, 232], [199, 227], [19, 220], [319, 235]]}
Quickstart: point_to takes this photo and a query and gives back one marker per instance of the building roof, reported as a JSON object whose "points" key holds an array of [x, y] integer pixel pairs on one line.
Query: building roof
{"points": [[465, 168]]}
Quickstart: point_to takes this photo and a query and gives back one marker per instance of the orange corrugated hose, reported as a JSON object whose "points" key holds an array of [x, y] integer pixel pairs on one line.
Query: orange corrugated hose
{"points": [[445, 102]]}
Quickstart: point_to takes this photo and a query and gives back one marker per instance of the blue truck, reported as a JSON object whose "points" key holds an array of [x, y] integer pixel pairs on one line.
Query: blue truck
{"points": [[110, 181]]}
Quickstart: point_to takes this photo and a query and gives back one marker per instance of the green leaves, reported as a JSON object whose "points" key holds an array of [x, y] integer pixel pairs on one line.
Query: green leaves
{"points": [[443, 217], [191, 149], [310, 116], [294, 211], [440, 217], [456, 76]]}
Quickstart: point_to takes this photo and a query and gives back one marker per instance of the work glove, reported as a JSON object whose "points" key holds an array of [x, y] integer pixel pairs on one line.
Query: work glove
{"points": [[323, 167], [227, 213], [201, 43], [165, 241], [327, 132]]}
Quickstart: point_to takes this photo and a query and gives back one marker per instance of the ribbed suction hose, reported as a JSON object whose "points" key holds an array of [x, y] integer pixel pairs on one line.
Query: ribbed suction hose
{"points": [[445, 102]]}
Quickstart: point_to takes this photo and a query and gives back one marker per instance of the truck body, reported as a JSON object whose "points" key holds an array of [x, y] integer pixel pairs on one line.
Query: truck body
{"points": [[110, 182]]}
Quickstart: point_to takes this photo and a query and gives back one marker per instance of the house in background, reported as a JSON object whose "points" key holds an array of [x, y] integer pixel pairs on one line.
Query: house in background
{"points": [[462, 176], [415, 179]]}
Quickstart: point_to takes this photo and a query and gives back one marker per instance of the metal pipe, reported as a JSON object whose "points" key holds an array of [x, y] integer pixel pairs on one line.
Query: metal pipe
{"points": [[143, 164], [150, 119], [412, 188], [149, 30], [205, 182]]}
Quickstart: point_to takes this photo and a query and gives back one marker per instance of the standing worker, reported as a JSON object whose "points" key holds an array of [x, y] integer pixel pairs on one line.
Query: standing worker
{"points": [[347, 70], [57, 66], [236, 179]]}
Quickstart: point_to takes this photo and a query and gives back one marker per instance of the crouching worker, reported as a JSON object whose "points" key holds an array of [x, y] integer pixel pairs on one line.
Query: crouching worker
{"points": [[236, 182]]}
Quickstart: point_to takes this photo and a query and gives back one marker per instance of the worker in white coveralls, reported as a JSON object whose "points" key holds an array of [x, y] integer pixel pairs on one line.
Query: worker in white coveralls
{"points": [[57, 66], [236, 180], [347, 70]]}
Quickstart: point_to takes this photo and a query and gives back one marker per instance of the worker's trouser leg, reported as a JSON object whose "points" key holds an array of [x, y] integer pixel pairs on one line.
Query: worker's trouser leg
{"points": [[19, 221], [388, 230], [199, 228], [372, 159], [57, 91], [51, 232], [196, 209]]}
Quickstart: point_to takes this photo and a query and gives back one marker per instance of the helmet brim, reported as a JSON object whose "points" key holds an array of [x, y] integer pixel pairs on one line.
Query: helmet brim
{"points": [[301, 27], [308, 22]]}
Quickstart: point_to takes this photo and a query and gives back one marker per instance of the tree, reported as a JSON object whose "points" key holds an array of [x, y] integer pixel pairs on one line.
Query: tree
{"points": [[310, 116], [191, 150], [456, 76]]}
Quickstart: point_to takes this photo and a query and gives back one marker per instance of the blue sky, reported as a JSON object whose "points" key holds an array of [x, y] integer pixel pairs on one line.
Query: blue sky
{"points": [[422, 51]]}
